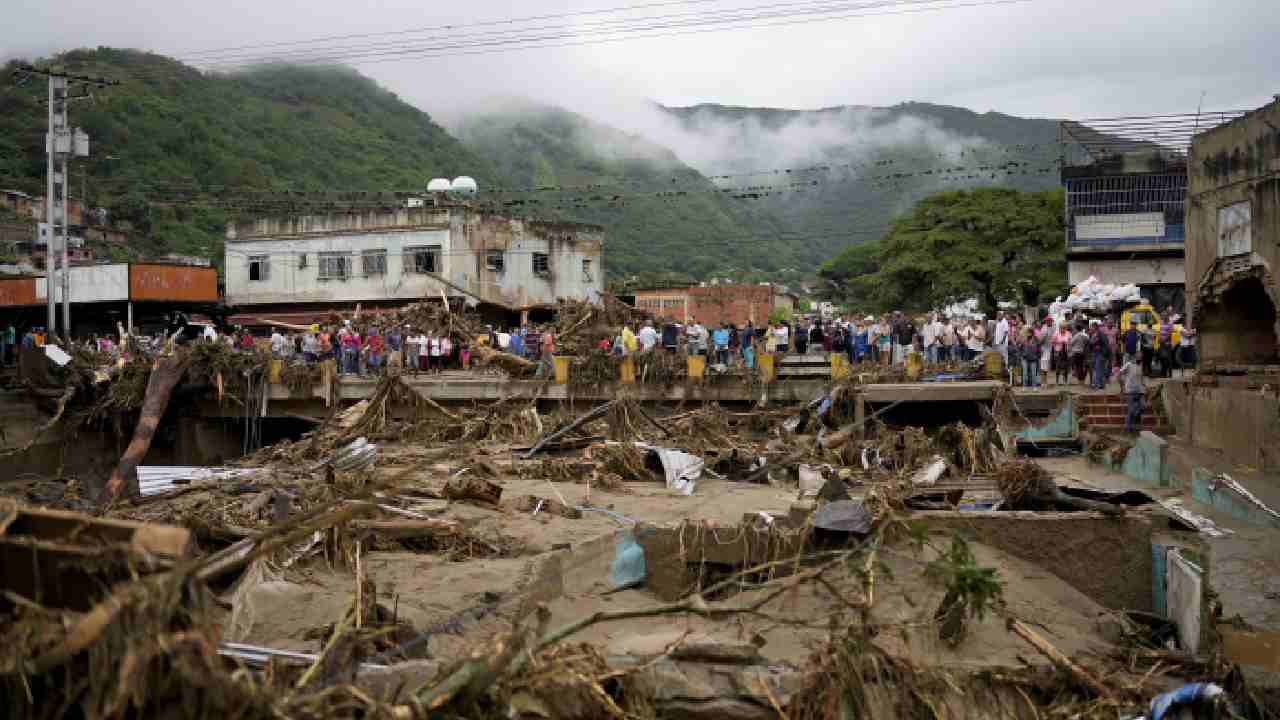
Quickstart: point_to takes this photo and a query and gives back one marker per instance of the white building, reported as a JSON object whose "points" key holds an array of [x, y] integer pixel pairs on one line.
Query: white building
{"points": [[405, 254]]}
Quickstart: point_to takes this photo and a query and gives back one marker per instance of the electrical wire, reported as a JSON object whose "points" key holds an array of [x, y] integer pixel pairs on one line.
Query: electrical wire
{"points": [[658, 31]]}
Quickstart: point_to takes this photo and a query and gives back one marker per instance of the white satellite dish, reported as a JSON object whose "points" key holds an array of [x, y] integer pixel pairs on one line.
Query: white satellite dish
{"points": [[464, 185], [439, 185]]}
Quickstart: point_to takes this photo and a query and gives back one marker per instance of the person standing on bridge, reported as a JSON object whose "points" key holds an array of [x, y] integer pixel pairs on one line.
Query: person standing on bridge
{"points": [[1133, 385]]}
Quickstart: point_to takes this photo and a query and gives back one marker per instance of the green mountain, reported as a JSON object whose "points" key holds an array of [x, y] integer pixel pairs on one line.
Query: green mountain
{"points": [[176, 152], [663, 217], [837, 176]]}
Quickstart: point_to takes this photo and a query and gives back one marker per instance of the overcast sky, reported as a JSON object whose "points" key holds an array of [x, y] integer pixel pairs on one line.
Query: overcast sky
{"points": [[1042, 58]]}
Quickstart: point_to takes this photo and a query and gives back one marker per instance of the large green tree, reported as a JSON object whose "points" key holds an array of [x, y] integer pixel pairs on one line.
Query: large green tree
{"points": [[991, 243]]}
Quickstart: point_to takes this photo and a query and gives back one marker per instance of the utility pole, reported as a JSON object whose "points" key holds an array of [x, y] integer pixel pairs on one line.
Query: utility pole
{"points": [[61, 142]]}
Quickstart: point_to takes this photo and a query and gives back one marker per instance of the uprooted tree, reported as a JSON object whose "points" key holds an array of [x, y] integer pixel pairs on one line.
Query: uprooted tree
{"points": [[989, 243]]}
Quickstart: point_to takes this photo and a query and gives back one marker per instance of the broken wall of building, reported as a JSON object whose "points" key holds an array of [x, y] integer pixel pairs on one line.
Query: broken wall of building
{"points": [[1233, 226], [523, 263]]}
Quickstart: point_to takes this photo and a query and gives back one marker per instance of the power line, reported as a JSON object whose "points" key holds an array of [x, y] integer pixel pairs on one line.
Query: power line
{"points": [[671, 29]]}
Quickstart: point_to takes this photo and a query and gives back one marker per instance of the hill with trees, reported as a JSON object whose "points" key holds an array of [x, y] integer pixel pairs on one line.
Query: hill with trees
{"points": [[176, 152]]}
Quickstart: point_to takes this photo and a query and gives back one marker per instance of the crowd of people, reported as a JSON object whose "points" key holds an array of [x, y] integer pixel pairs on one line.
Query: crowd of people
{"points": [[1070, 350]]}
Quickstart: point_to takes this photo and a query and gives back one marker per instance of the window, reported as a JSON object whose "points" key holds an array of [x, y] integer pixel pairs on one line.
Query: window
{"points": [[302, 261], [259, 268], [495, 260], [335, 266], [541, 264], [373, 262], [586, 270], [422, 259], [1235, 232]]}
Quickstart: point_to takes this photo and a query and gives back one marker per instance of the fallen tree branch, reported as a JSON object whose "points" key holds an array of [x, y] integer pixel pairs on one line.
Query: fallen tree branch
{"points": [[1055, 655], [595, 413], [165, 374], [63, 399]]}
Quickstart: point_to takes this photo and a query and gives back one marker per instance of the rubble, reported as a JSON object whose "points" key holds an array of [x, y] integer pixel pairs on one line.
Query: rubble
{"points": [[626, 559]]}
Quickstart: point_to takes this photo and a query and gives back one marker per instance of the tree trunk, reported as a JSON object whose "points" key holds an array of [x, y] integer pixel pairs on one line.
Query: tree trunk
{"points": [[165, 374]]}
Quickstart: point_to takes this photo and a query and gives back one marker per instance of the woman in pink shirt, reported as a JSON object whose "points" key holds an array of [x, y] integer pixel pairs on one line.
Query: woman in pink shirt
{"points": [[1061, 358]]}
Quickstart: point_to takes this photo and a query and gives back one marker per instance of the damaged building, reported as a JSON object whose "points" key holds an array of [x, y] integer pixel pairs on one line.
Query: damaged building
{"points": [[1233, 227], [1125, 220], [299, 267]]}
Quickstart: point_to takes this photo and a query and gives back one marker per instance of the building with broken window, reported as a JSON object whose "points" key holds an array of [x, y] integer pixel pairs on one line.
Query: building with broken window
{"points": [[311, 264], [1233, 227]]}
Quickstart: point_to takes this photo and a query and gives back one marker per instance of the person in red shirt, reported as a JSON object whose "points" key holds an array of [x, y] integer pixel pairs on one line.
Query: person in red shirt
{"points": [[373, 350], [546, 363], [246, 341]]}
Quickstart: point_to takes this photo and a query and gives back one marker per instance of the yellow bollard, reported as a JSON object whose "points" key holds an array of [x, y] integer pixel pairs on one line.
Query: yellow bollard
{"points": [[697, 366], [915, 366], [276, 368], [628, 370], [562, 369], [839, 366], [993, 363], [765, 362]]}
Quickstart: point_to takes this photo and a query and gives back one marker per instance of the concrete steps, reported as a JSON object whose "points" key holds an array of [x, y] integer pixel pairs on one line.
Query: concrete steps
{"points": [[1106, 413]]}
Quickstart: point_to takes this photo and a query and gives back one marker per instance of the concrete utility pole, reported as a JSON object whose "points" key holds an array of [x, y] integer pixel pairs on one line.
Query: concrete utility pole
{"points": [[61, 142]]}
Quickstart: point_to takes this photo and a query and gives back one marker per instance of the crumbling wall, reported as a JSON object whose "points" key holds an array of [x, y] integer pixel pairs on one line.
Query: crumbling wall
{"points": [[1234, 165], [1106, 558]]}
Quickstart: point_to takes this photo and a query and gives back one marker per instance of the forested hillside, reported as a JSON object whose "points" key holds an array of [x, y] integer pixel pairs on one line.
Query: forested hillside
{"points": [[176, 152], [840, 175], [664, 218]]}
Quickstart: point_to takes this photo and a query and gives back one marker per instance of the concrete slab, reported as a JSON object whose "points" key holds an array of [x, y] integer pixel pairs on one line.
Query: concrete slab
{"points": [[931, 392], [1148, 461]]}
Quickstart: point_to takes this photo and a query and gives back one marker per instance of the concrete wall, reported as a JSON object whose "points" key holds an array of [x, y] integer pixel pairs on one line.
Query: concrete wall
{"points": [[96, 283], [1241, 422], [1108, 559], [467, 240], [289, 282], [1238, 162]]}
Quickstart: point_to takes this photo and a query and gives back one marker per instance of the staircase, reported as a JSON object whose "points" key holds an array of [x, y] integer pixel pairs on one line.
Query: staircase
{"points": [[1105, 414]]}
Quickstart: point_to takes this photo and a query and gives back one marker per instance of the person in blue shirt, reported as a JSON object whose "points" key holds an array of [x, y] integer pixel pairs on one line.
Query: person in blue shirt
{"points": [[516, 345], [861, 343], [721, 340]]}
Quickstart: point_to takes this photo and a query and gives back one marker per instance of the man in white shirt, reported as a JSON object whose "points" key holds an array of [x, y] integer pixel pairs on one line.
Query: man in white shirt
{"points": [[279, 344], [783, 334], [929, 335], [648, 336], [1001, 339], [210, 335]]}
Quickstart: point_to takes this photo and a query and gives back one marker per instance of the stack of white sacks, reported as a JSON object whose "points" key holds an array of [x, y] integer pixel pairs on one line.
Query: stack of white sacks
{"points": [[1094, 296]]}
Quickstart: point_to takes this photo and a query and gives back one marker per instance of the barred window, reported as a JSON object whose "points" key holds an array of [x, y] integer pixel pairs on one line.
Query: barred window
{"points": [[335, 266], [422, 259], [373, 262], [541, 264]]}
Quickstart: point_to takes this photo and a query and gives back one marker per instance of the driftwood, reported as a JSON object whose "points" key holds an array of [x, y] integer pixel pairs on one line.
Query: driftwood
{"points": [[513, 364], [165, 374], [831, 441], [595, 413], [405, 528], [240, 554], [1056, 656], [470, 487], [1024, 484]]}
